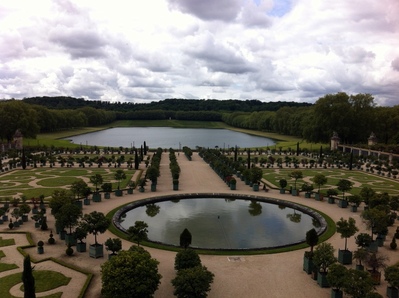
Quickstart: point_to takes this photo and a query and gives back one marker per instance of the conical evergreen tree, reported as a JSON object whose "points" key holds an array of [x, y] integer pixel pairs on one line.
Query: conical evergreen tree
{"points": [[28, 279]]}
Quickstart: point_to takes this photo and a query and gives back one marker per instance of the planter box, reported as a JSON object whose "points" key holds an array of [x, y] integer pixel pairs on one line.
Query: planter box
{"points": [[336, 293], [343, 203], [175, 186], [307, 265], [62, 235], [5, 218], [118, 193], [294, 192], [232, 187], [96, 197], [376, 277], [353, 208], [392, 292], [79, 204], [40, 250], [107, 195], [96, 251], [380, 241], [153, 187], [16, 224], [373, 247], [86, 201], [1, 221], [25, 218], [81, 247], [331, 200], [307, 195], [345, 257], [35, 210], [359, 267], [322, 280], [130, 191], [37, 224], [255, 187], [282, 191], [141, 189], [70, 239]]}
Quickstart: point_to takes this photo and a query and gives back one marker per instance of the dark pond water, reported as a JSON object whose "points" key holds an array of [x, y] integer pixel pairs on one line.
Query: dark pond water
{"points": [[222, 223], [167, 137]]}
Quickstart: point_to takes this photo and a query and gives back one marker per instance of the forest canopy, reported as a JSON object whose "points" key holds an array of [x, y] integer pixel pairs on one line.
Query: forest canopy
{"points": [[353, 117]]}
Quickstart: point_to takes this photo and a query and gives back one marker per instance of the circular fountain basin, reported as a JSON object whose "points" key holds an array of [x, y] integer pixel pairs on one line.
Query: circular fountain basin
{"points": [[222, 221]]}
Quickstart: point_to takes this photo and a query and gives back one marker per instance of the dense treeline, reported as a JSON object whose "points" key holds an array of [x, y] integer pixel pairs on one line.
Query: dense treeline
{"points": [[171, 104], [353, 117]]}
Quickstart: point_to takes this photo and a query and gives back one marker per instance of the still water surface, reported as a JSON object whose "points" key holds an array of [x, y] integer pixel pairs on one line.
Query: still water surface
{"points": [[222, 223], [167, 137]]}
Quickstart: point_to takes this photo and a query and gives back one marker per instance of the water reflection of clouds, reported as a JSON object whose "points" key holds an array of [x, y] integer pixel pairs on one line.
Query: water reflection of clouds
{"points": [[215, 223]]}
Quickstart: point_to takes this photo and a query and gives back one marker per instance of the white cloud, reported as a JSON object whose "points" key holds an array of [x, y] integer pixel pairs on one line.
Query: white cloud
{"points": [[269, 50]]}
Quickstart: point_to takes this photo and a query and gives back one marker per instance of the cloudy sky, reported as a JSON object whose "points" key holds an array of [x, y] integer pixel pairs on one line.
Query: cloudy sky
{"points": [[141, 51]]}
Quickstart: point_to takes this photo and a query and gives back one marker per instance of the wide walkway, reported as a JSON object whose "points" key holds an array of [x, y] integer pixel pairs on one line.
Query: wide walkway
{"points": [[277, 275]]}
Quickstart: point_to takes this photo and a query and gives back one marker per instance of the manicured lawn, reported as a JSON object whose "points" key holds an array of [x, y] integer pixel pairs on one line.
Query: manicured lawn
{"points": [[44, 280], [6, 266], [49, 179], [6, 242], [359, 178]]}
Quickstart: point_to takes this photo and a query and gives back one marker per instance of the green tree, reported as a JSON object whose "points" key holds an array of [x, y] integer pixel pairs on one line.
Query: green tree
{"points": [[296, 175], [347, 228], [113, 244], [358, 283], [58, 199], [95, 223], [185, 238], [28, 279], [336, 276], [323, 256], [344, 185], [319, 180], [96, 180], [312, 238], [68, 216], [79, 188], [187, 258], [138, 232], [119, 176], [193, 282], [129, 274]]}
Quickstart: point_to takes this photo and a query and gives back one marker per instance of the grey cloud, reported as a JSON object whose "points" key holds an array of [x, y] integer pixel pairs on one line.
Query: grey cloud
{"points": [[79, 43], [395, 64], [211, 10]]}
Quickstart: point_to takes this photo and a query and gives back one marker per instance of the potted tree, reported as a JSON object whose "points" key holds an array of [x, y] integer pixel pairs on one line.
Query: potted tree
{"points": [[295, 175], [114, 245], [256, 176], [347, 228], [344, 185], [319, 180], [95, 223], [68, 217], [40, 248], [336, 278], [307, 188], [80, 234], [232, 183], [119, 176], [24, 210], [358, 283], [97, 180], [142, 182], [283, 184], [360, 255], [354, 201], [131, 186], [311, 239], [152, 173], [323, 257], [331, 192], [392, 277], [107, 188], [375, 262]]}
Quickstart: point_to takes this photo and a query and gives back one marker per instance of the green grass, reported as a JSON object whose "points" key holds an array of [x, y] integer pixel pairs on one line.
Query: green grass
{"points": [[50, 179], [360, 178], [44, 281], [6, 242]]}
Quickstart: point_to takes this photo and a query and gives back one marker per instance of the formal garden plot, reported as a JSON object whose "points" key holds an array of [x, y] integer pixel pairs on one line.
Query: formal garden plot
{"points": [[359, 178], [43, 181]]}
